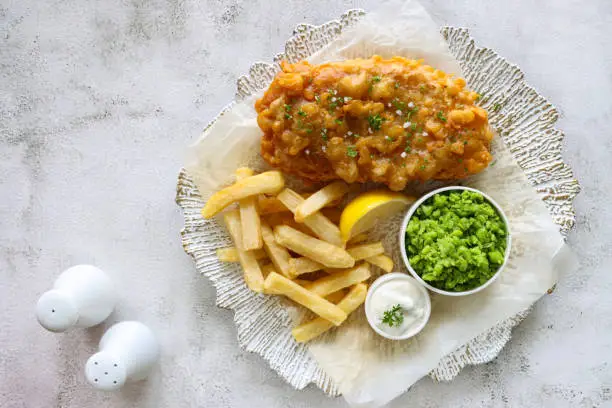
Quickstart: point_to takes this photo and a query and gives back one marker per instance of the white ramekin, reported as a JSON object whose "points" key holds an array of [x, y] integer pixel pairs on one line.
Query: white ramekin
{"points": [[373, 320], [411, 212]]}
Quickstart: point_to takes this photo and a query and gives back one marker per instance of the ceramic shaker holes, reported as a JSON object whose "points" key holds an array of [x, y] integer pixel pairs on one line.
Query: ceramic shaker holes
{"points": [[83, 296], [128, 352]]}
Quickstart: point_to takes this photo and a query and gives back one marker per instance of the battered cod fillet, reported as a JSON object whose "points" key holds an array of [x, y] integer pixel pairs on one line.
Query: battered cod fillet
{"points": [[384, 120]]}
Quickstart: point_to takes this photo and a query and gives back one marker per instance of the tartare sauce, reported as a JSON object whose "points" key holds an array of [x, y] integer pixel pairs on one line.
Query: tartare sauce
{"points": [[397, 306]]}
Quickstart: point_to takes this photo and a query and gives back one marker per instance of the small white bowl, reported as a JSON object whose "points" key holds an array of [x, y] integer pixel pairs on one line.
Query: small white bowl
{"points": [[411, 212], [373, 320]]}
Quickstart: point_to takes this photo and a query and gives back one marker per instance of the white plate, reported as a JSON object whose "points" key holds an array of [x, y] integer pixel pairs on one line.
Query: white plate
{"points": [[526, 124]]}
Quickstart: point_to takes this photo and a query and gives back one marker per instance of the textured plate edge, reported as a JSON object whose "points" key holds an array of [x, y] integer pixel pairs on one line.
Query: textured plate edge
{"points": [[471, 353], [190, 201], [187, 196]]}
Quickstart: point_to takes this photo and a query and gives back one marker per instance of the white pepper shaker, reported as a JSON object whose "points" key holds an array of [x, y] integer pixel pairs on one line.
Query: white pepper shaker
{"points": [[128, 352], [82, 296]]}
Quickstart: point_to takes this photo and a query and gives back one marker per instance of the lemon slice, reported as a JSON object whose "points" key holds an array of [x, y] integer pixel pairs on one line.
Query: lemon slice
{"points": [[365, 210]]}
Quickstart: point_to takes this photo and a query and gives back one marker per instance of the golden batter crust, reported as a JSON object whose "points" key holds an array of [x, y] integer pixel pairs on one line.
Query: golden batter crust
{"points": [[388, 121]]}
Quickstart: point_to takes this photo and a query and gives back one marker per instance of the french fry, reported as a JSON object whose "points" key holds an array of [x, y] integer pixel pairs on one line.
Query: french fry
{"points": [[331, 204], [313, 276], [335, 297], [320, 199], [270, 182], [278, 254], [270, 205], [243, 172], [323, 252], [252, 272], [267, 269], [366, 250], [249, 218], [317, 222], [298, 266], [358, 239], [302, 282], [340, 280], [314, 328], [287, 219], [382, 261], [231, 254], [331, 271], [259, 254], [332, 297], [278, 284]]}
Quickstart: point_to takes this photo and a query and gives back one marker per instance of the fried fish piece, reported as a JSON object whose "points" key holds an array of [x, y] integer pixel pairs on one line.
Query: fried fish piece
{"points": [[384, 120]]}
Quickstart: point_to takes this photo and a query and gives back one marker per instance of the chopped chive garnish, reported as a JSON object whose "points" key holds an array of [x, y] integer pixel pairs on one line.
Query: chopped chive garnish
{"points": [[399, 105], [351, 151], [393, 317], [375, 79], [324, 134], [375, 121]]}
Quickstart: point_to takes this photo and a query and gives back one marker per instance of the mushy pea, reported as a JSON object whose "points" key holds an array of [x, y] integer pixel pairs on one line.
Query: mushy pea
{"points": [[456, 240]]}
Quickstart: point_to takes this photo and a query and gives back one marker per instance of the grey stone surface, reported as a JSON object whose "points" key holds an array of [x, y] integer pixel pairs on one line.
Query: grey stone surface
{"points": [[97, 103]]}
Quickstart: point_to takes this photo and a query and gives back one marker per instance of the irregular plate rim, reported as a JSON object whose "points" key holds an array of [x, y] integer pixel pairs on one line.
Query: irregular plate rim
{"points": [[551, 176]]}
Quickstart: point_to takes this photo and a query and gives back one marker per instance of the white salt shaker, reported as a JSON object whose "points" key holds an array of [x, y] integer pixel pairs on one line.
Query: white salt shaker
{"points": [[128, 352], [82, 296]]}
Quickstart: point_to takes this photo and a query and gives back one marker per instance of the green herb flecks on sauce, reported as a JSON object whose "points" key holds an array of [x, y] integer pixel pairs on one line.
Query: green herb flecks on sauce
{"points": [[393, 317]]}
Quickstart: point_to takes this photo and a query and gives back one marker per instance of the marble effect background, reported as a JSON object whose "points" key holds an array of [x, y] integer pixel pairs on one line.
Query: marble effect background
{"points": [[97, 103]]}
